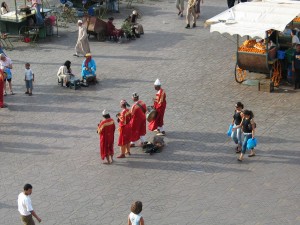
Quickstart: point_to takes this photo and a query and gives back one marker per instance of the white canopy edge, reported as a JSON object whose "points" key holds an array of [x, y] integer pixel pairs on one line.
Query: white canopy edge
{"points": [[255, 18]]}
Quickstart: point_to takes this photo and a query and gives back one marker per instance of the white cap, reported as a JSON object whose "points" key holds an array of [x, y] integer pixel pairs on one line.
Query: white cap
{"points": [[157, 82], [134, 12], [79, 21], [104, 112]]}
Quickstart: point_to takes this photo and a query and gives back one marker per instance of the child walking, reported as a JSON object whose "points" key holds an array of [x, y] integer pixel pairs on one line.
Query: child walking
{"points": [[29, 78], [135, 218]]}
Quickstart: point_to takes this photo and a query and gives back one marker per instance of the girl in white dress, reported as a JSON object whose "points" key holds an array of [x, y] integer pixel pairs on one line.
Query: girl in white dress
{"points": [[135, 217]]}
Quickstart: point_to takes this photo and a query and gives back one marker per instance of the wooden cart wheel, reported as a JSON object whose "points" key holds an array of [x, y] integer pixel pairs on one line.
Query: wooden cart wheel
{"points": [[240, 75], [101, 36], [23, 33], [276, 73]]}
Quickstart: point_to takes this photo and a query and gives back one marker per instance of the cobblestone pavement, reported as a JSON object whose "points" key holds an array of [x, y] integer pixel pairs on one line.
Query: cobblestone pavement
{"points": [[50, 140]]}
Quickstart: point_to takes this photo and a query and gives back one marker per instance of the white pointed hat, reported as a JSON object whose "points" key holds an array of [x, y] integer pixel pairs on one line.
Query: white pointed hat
{"points": [[104, 112], [157, 82]]}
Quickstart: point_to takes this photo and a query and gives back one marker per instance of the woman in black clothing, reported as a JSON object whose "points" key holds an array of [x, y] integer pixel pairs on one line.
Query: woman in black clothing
{"points": [[236, 135], [248, 127]]}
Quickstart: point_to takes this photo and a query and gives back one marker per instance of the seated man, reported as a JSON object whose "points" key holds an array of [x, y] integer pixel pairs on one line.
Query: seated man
{"points": [[64, 73], [88, 67], [112, 30], [133, 19]]}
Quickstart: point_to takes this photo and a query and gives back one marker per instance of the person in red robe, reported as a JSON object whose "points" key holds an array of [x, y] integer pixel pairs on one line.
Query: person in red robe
{"points": [[159, 105], [124, 118], [106, 130], [2, 80], [138, 121], [112, 30]]}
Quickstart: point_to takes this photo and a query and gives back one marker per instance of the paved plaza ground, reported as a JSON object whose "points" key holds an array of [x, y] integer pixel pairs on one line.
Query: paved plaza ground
{"points": [[50, 140]]}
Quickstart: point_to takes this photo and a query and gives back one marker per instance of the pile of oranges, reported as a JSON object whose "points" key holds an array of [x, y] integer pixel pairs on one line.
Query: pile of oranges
{"points": [[251, 46], [297, 19]]}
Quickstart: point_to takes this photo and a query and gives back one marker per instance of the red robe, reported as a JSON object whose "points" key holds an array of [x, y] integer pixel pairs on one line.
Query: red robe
{"points": [[160, 104], [124, 127], [106, 130], [138, 121], [112, 30], [1, 88]]}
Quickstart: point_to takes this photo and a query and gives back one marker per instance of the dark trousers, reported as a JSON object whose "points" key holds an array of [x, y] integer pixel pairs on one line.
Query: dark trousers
{"points": [[297, 78], [230, 3], [27, 220]]}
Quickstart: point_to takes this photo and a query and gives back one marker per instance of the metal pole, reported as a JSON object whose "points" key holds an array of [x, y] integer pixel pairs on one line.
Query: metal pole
{"points": [[16, 8]]}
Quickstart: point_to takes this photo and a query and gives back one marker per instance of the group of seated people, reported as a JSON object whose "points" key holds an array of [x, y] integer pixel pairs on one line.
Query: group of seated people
{"points": [[88, 69], [130, 28]]}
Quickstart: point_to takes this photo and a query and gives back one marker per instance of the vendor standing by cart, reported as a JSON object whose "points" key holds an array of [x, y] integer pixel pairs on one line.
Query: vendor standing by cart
{"points": [[296, 66], [37, 5]]}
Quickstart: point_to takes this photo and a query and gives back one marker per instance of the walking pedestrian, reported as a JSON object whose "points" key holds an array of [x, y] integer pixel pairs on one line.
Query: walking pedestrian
{"points": [[180, 7], [29, 79], [2, 78], [160, 104], [6, 66], [138, 121], [25, 207], [236, 135], [106, 131], [191, 12], [248, 127], [124, 118], [82, 46], [230, 3], [197, 8], [135, 217]]}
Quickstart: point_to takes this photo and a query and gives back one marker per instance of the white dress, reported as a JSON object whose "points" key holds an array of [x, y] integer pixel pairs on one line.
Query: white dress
{"points": [[135, 218]]}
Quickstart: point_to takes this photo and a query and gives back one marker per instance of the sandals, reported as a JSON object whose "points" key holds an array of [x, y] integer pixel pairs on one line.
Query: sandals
{"points": [[251, 155]]}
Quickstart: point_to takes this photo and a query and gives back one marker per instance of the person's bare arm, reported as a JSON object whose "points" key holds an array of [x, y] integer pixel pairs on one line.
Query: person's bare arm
{"points": [[128, 222], [36, 216], [142, 221]]}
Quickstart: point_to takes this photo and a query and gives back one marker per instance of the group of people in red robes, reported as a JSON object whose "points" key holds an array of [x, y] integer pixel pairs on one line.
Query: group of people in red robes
{"points": [[132, 125]]}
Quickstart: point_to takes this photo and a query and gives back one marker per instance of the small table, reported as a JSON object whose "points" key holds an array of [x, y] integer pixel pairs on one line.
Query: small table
{"points": [[74, 83]]}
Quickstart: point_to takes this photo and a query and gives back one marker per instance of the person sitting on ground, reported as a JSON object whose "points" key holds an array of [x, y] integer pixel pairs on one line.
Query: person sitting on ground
{"points": [[4, 8], [64, 73], [88, 67], [133, 20], [112, 30]]}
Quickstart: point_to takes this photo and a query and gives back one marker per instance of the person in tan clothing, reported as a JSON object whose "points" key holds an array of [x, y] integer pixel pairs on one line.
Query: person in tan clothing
{"points": [[82, 46], [191, 11]]}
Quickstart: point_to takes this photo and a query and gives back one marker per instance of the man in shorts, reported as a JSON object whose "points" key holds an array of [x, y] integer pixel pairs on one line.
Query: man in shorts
{"points": [[6, 66]]}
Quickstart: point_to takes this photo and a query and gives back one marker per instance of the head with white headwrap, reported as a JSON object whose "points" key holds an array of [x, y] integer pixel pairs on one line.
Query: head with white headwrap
{"points": [[79, 22], [157, 84], [105, 114], [135, 96]]}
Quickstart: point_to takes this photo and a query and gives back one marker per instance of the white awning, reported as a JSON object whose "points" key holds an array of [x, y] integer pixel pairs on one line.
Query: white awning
{"points": [[255, 18]]}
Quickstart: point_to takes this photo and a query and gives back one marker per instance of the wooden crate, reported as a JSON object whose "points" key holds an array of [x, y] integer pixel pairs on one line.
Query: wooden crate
{"points": [[266, 85]]}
